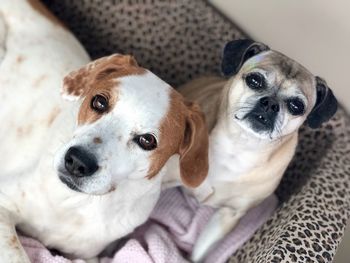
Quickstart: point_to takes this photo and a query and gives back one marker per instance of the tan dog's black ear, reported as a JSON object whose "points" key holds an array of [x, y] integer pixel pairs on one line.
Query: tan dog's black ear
{"points": [[194, 148], [237, 52], [76, 84], [325, 107]]}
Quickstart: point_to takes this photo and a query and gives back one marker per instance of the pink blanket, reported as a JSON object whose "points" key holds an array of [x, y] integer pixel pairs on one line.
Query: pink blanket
{"points": [[170, 233]]}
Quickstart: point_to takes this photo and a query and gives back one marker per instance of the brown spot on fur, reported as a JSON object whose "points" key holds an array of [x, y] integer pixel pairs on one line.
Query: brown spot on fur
{"points": [[53, 115], [19, 59], [13, 242], [39, 80], [99, 77], [23, 131], [42, 9], [23, 194], [183, 131], [97, 140], [112, 188], [79, 221]]}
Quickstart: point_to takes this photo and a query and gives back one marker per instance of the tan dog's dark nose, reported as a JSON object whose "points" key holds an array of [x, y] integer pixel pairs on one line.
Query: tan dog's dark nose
{"points": [[269, 104], [79, 162]]}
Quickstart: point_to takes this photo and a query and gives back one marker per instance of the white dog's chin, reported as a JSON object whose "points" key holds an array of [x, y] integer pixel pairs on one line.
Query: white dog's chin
{"points": [[86, 186]]}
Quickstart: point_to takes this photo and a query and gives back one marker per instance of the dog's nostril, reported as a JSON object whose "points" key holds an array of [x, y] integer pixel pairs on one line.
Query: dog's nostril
{"points": [[69, 160], [81, 169], [275, 107]]}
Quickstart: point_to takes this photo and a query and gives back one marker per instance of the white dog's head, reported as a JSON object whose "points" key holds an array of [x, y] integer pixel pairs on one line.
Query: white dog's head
{"points": [[130, 123]]}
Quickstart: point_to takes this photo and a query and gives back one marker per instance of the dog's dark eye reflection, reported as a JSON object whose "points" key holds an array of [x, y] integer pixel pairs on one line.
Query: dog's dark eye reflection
{"points": [[146, 141], [99, 104], [295, 106], [255, 81]]}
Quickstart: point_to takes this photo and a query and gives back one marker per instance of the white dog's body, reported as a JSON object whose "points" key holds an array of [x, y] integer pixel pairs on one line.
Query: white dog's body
{"points": [[36, 124], [34, 118]]}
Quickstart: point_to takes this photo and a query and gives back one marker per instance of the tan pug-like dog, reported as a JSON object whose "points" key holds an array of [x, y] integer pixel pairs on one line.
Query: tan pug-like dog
{"points": [[254, 117]]}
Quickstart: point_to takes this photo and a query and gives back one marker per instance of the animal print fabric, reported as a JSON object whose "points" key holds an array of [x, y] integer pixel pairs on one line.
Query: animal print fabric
{"points": [[179, 40]]}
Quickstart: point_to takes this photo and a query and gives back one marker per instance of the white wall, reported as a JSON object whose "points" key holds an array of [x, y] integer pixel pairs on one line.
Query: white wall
{"points": [[316, 33]]}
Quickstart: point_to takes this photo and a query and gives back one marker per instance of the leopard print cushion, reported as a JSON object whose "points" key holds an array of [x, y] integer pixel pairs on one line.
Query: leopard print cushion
{"points": [[179, 40]]}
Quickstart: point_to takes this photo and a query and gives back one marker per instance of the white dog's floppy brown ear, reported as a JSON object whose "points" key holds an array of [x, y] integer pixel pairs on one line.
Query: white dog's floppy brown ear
{"points": [[194, 148], [76, 84], [237, 52], [325, 107]]}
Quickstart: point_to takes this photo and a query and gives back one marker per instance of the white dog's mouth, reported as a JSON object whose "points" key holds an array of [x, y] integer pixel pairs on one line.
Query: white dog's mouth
{"points": [[77, 184], [69, 182]]}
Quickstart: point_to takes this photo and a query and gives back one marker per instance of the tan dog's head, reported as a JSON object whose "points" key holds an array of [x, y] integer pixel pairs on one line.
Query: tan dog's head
{"points": [[130, 123], [271, 95]]}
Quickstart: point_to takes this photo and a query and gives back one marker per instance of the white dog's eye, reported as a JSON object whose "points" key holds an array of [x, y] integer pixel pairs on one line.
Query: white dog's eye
{"points": [[146, 141], [99, 104], [295, 106], [255, 81]]}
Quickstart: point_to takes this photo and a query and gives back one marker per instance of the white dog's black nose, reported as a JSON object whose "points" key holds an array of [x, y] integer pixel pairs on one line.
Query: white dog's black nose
{"points": [[79, 162]]}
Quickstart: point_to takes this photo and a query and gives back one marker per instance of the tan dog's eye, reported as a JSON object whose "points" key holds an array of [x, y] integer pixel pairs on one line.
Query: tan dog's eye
{"points": [[99, 104], [146, 141], [295, 106], [255, 81]]}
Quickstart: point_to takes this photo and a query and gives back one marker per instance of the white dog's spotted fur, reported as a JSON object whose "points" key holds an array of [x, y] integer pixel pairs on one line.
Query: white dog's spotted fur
{"points": [[37, 127]]}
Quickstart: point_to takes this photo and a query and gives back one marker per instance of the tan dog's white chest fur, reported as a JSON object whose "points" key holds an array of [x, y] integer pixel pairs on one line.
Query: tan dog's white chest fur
{"points": [[256, 173], [38, 126]]}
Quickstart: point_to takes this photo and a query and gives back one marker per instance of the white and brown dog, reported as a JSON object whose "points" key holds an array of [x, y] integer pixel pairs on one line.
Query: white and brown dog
{"points": [[79, 175], [254, 118]]}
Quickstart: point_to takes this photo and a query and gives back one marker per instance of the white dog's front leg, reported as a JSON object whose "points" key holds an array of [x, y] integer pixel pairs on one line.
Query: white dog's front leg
{"points": [[10, 247], [219, 225]]}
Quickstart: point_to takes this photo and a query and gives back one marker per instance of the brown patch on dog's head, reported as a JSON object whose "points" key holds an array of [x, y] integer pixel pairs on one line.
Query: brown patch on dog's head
{"points": [[41, 9], [99, 77], [183, 131]]}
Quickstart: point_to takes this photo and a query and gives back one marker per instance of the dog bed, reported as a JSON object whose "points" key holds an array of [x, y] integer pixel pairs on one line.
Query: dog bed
{"points": [[179, 40]]}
